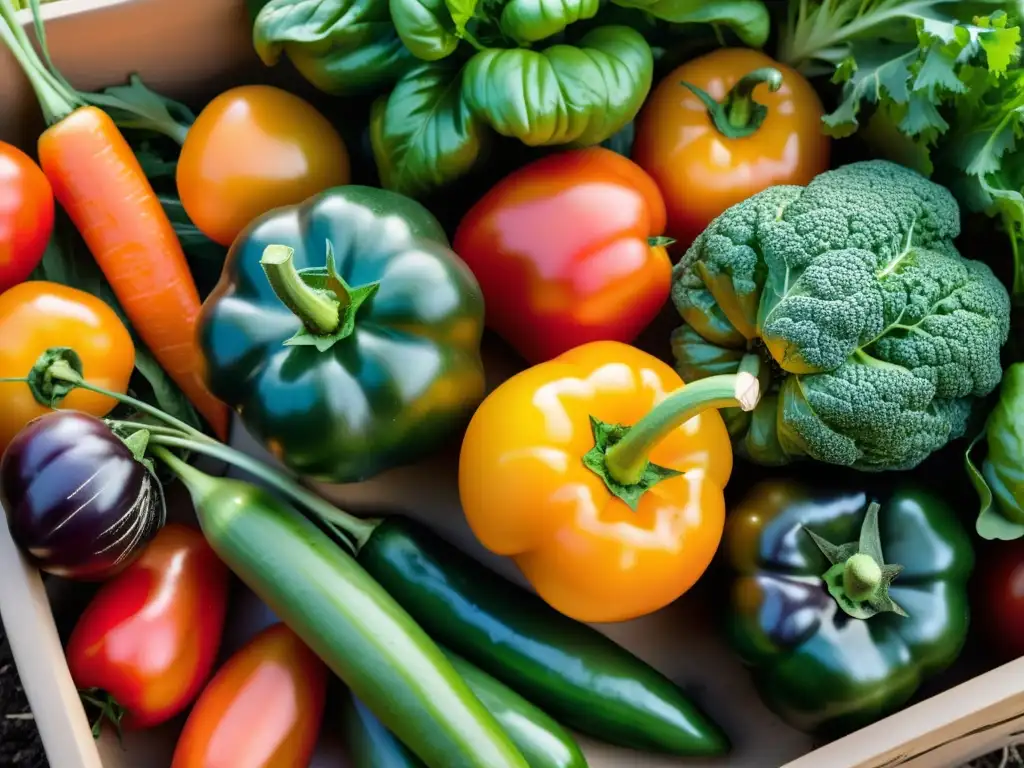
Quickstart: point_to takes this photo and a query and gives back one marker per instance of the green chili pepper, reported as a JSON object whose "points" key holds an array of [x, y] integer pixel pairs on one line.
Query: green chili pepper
{"points": [[542, 741], [348, 620], [842, 606], [346, 333], [568, 669], [370, 744]]}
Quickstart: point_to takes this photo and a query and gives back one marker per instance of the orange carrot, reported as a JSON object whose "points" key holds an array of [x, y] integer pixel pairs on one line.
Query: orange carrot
{"points": [[98, 180]]}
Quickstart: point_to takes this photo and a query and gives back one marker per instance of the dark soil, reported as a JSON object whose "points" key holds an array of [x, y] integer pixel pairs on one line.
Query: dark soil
{"points": [[19, 740]]}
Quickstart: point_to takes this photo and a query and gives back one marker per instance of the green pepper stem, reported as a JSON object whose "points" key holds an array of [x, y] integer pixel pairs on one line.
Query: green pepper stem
{"points": [[320, 313], [360, 530], [862, 577], [628, 458], [738, 115]]}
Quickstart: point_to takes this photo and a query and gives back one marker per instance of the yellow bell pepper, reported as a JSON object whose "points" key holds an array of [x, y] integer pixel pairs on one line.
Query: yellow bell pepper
{"points": [[603, 477]]}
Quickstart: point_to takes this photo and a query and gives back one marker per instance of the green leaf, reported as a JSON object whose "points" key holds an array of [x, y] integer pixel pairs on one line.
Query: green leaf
{"points": [[462, 11], [563, 95], [1000, 483], [342, 47], [426, 27], [621, 142], [135, 106], [205, 257], [528, 21], [881, 70], [749, 19], [423, 133]]}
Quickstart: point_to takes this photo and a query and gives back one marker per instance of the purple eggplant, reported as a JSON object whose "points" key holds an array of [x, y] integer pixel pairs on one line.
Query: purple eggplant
{"points": [[78, 503]]}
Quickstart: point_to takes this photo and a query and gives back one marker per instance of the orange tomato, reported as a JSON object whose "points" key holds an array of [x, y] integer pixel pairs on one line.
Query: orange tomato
{"points": [[261, 710], [37, 315], [252, 149], [704, 166], [528, 494]]}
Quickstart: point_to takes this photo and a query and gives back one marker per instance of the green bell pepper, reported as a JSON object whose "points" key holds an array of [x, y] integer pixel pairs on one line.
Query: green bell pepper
{"points": [[843, 608], [346, 334]]}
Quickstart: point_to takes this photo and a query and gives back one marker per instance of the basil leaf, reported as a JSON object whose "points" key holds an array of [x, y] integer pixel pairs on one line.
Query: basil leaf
{"points": [[425, 27], [423, 134]]}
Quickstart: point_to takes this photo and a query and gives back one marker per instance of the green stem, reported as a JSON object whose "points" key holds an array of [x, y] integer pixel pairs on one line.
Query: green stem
{"points": [[360, 530], [56, 101], [320, 313], [628, 458], [61, 371], [153, 429], [739, 116], [862, 577]]}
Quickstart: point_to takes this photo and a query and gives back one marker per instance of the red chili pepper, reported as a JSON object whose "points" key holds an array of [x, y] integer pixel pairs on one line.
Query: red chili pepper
{"points": [[567, 251], [146, 644]]}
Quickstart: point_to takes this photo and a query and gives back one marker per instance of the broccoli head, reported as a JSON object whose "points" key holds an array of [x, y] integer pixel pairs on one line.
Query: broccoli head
{"points": [[878, 335]]}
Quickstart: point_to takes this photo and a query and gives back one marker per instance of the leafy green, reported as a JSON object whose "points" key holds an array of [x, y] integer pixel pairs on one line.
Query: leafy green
{"points": [[565, 94], [205, 257], [945, 87], [342, 47], [528, 21], [67, 261], [423, 133], [426, 27], [1000, 481], [748, 19]]}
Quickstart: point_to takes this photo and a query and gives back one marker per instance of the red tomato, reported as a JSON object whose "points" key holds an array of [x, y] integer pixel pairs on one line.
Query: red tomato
{"points": [[149, 638], [566, 251], [998, 608], [26, 215], [261, 710]]}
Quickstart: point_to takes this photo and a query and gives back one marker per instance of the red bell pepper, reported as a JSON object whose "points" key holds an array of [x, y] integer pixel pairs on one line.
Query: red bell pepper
{"points": [[567, 250]]}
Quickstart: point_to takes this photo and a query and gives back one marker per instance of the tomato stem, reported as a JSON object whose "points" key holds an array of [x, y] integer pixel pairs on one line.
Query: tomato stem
{"points": [[109, 710], [628, 459], [738, 115]]}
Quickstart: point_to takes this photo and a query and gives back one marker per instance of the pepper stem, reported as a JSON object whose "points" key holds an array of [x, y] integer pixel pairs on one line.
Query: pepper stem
{"points": [[628, 459], [319, 313], [738, 115], [859, 578]]}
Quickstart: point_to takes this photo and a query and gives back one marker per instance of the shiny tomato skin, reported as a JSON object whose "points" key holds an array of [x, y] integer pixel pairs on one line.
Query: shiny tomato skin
{"points": [[702, 172], [37, 315], [562, 251], [263, 708], [998, 606], [252, 149], [150, 636], [26, 215]]}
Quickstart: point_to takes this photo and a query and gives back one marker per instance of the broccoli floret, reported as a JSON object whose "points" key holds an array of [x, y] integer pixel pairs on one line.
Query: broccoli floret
{"points": [[879, 332]]}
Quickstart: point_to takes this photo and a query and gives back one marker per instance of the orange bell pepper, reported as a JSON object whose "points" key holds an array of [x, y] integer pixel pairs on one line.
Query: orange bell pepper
{"points": [[603, 477]]}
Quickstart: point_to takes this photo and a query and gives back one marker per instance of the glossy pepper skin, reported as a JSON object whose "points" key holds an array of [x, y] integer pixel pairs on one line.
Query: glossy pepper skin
{"points": [[400, 371], [600, 539], [708, 153], [576, 674], [818, 668], [568, 250]]}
